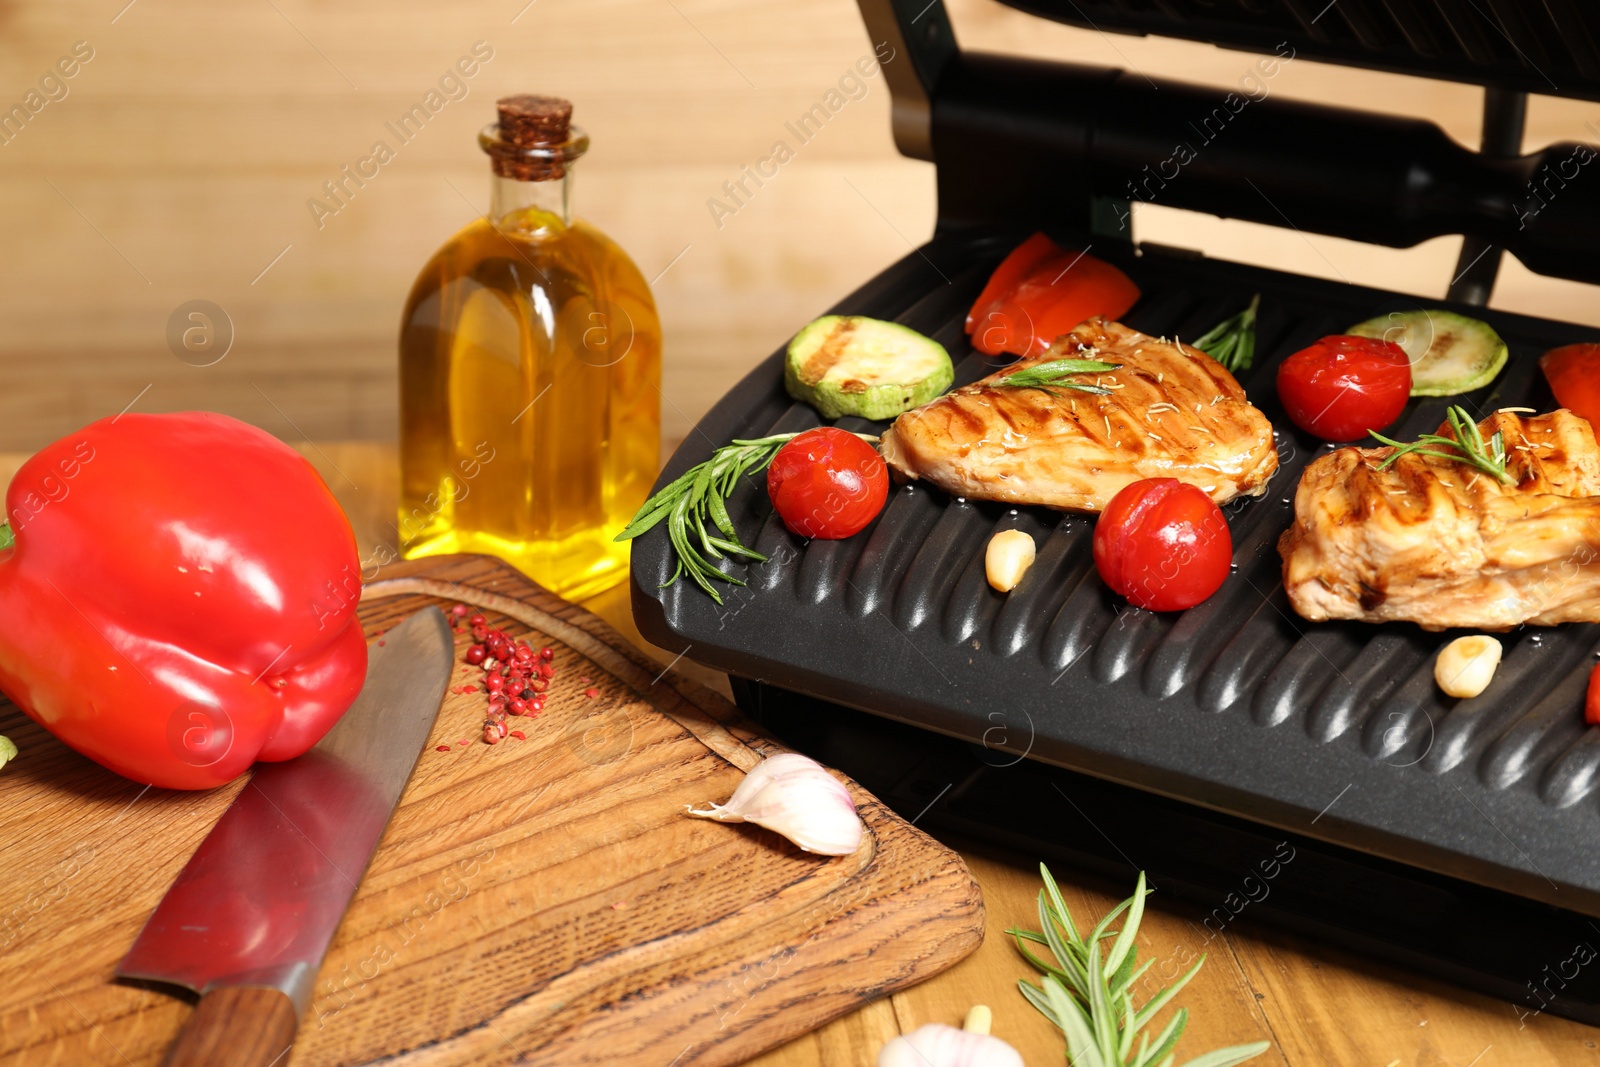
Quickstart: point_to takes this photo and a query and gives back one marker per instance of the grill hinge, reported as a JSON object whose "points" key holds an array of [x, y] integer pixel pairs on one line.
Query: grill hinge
{"points": [[1505, 116]]}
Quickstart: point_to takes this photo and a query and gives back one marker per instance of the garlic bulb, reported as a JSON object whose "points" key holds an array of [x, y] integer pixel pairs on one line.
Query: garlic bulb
{"points": [[796, 797], [937, 1045]]}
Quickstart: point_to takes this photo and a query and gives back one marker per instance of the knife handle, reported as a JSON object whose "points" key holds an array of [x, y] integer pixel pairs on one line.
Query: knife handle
{"points": [[236, 1026]]}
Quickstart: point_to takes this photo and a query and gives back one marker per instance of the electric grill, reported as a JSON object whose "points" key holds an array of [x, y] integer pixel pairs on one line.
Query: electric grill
{"points": [[1195, 742]]}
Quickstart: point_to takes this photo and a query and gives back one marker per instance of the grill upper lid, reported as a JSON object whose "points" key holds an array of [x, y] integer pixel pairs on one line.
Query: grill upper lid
{"points": [[1538, 46], [1068, 147]]}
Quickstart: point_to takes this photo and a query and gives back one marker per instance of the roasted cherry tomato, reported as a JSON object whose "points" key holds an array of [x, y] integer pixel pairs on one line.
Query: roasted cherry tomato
{"points": [[1574, 374], [1591, 703], [827, 483], [1343, 386], [1162, 544], [1041, 291]]}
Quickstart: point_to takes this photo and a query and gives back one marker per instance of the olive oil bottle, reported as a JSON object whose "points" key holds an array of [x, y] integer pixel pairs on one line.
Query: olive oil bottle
{"points": [[530, 368]]}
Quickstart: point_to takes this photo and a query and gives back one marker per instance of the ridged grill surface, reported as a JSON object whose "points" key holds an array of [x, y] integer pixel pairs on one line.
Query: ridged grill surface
{"points": [[1543, 46], [1333, 729]]}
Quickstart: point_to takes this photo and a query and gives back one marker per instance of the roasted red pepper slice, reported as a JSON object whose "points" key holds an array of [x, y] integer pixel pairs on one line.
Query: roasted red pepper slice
{"points": [[1591, 702], [1574, 375], [180, 598], [1041, 291], [1009, 274]]}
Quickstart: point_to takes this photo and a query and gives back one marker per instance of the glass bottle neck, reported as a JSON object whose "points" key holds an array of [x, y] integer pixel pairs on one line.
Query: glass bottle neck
{"points": [[530, 208]]}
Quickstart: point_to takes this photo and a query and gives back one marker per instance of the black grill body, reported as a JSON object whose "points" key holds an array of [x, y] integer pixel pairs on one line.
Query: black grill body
{"points": [[1247, 718], [1232, 873]]}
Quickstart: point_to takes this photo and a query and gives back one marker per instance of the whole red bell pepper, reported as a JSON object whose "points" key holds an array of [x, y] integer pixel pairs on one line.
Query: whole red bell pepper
{"points": [[177, 598]]}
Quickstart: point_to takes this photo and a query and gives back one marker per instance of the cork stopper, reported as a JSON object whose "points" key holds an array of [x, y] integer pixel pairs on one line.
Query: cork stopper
{"points": [[531, 132]]}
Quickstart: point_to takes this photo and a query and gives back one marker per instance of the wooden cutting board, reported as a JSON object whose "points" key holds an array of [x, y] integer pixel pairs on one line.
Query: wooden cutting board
{"points": [[540, 901]]}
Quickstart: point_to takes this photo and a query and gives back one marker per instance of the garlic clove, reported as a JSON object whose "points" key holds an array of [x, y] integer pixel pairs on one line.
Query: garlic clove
{"points": [[937, 1045], [1007, 559], [797, 797], [1466, 666]]}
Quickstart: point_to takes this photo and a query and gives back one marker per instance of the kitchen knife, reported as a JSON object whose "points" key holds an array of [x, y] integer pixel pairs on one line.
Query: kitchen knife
{"points": [[250, 917]]}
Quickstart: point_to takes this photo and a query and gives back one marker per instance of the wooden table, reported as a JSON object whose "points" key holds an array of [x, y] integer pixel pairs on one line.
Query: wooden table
{"points": [[225, 120], [1316, 1005]]}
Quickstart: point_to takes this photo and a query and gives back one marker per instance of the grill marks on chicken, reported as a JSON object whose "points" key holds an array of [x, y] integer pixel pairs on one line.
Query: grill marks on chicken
{"points": [[1435, 542], [1173, 412]]}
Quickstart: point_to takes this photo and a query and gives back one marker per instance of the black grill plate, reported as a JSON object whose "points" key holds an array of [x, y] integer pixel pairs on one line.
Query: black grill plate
{"points": [[1336, 731]]}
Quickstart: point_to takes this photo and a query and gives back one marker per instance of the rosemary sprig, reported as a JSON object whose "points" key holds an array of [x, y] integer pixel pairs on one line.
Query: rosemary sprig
{"points": [[1054, 374], [1088, 990], [1232, 342], [1468, 443], [703, 491]]}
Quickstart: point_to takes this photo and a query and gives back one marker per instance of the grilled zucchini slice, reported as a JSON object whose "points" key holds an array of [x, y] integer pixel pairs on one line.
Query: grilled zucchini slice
{"points": [[853, 365], [1449, 353]]}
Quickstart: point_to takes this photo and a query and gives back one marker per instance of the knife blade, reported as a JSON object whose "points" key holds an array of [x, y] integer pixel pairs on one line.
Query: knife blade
{"points": [[251, 915]]}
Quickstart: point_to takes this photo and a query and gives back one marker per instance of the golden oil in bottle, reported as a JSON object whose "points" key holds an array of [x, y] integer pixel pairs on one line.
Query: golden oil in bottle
{"points": [[530, 368]]}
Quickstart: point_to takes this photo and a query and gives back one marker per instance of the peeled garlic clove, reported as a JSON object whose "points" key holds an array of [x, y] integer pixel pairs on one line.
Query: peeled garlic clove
{"points": [[795, 796], [1007, 559], [1466, 666], [937, 1045]]}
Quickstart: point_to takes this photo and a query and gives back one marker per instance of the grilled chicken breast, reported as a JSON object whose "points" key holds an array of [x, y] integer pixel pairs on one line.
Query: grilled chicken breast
{"points": [[1173, 412], [1436, 542]]}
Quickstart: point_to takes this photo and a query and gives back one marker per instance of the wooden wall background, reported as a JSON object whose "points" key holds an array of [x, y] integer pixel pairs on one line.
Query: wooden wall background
{"points": [[179, 163]]}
